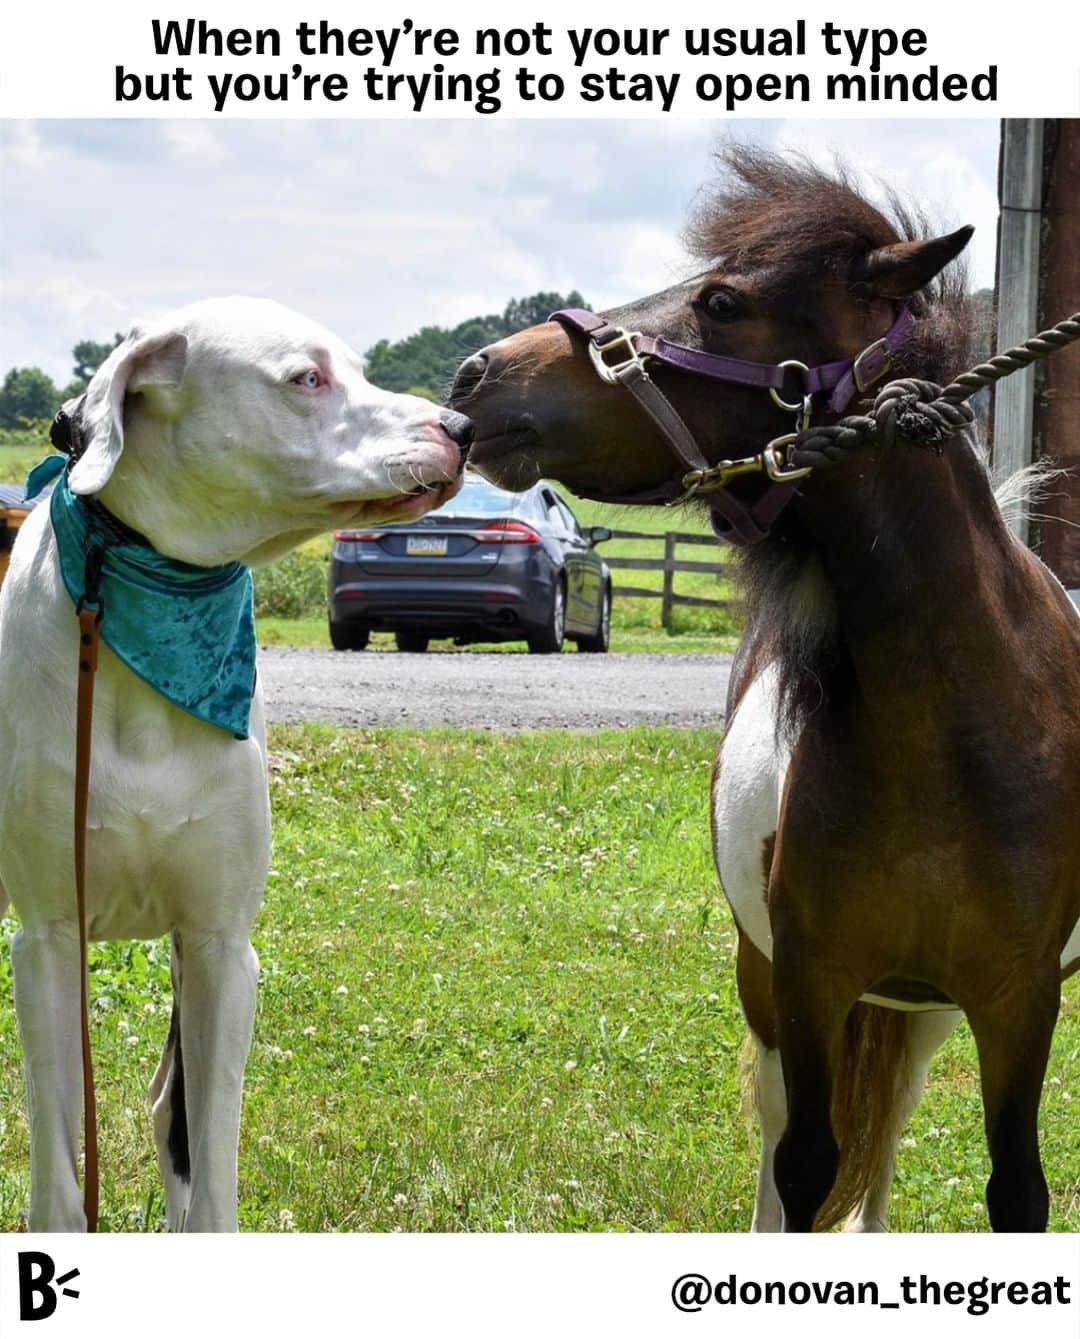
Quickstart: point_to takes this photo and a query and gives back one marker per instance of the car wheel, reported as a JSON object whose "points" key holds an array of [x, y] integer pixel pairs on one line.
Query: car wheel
{"points": [[549, 641], [348, 636], [414, 642], [601, 638]]}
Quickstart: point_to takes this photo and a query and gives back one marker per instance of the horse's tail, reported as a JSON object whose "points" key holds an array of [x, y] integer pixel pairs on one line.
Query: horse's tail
{"points": [[864, 1105]]}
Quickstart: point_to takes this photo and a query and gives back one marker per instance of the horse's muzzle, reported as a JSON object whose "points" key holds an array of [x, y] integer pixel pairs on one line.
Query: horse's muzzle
{"points": [[469, 376]]}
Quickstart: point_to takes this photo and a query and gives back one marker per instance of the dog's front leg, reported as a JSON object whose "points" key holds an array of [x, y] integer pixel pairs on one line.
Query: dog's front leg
{"points": [[45, 965], [217, 1013]]}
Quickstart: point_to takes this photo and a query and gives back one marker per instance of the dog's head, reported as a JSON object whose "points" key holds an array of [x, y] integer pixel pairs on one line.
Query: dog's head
{"points": [[236, 428]]}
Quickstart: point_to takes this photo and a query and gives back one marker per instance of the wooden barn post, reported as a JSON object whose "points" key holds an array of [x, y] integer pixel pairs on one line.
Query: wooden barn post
{"points": [[1020, 199], [1037, 412], [1057, 395]]}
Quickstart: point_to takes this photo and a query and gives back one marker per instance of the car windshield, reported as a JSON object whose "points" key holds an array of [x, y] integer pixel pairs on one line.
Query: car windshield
{"points": [[479, 498]]}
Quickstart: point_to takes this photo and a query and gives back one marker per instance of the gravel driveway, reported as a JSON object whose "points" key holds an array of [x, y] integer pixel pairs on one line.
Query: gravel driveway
{"points": [[494, 692]]}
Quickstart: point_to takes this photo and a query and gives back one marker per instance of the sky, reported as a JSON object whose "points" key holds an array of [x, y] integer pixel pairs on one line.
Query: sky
{"points": [[378, 228]]}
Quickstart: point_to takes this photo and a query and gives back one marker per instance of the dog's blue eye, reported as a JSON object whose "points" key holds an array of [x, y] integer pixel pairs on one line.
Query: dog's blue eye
{"points": [[310, 379]]}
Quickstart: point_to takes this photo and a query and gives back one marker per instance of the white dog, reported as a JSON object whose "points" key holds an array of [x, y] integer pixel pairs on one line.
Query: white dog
{"points": [[230, 432]]}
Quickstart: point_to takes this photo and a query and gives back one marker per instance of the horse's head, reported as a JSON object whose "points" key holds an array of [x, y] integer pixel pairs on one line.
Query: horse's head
{"points": [[800, 266]]}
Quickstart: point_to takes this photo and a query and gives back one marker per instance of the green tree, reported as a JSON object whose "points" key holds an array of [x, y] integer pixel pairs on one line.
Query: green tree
{"points": [[424, 363], [27, 393], [89, 354]]}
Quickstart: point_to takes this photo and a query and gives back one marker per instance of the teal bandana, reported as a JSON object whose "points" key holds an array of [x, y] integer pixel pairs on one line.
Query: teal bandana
{"points": [[189, 632]]}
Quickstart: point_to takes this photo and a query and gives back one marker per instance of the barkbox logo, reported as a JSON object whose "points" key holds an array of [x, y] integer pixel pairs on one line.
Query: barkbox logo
{"points": [[39, 1288]]}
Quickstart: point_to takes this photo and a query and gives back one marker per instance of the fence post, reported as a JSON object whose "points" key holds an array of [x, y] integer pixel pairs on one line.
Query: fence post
{"points": [[669, 581]]}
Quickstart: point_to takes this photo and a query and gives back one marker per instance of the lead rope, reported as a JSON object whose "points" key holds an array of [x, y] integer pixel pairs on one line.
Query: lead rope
{"points": [[921, 411], [90, 610]]}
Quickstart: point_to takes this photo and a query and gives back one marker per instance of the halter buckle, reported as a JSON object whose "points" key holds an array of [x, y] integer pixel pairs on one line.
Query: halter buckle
{"points": [[774, 460], [609, 372], [872, 364]]}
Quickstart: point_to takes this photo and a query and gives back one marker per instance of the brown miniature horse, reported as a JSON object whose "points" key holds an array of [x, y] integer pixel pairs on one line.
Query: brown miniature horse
{"points": [[896, 805]]}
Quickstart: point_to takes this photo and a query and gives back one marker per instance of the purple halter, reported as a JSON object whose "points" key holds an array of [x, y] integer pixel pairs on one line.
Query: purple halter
{"points": [[738, 522]]}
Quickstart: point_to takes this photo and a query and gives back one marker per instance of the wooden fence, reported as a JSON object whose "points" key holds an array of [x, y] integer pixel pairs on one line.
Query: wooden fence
{"points": [[669, 565]]}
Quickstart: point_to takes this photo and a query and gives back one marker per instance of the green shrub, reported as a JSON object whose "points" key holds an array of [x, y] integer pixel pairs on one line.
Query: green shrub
{"points": [[295, 587]]}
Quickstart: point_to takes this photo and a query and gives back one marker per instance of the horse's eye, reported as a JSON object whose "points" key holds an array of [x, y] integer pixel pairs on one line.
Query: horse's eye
{"points": [[721, 304]]}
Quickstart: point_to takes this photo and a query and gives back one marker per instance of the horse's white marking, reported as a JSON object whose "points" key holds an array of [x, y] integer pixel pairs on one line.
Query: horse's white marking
{"points": [[216, 455], [746, 805], [770, 1099]]}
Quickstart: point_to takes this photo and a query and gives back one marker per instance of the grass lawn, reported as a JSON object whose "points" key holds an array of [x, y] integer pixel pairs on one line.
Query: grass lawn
{"points": [[16, 461], [497, 994]]}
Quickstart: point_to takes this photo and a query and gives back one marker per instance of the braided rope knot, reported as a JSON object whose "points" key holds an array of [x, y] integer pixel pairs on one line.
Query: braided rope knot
{"points": [[920, 411], [907, 409]]}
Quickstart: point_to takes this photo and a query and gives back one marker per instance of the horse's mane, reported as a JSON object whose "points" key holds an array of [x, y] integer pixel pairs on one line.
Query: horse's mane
{"points": [[791, 222]]}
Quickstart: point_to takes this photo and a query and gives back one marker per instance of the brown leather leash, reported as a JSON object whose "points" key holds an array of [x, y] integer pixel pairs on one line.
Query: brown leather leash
{"points": [[89, 610]]}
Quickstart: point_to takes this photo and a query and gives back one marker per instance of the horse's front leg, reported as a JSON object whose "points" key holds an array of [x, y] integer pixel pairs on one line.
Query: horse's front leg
{"points": [[813, 993], [45, 965], [217, 1014], [1013, 1034]]}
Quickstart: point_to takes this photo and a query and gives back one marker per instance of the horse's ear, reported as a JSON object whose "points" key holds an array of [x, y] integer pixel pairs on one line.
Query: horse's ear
{"points": [[899, 270], [141, 364]]}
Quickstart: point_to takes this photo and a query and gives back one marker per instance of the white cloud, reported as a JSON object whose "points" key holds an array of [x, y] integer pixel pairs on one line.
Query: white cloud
{"points": [[377, 228], [195, 139]]}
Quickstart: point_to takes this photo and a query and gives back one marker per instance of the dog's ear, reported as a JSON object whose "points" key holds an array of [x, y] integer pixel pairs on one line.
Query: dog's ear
{"points": [[149, 364], [899, 270]]}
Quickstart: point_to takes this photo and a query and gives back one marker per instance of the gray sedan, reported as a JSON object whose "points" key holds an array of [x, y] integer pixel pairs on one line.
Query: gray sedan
{"points": [[488, 566]]}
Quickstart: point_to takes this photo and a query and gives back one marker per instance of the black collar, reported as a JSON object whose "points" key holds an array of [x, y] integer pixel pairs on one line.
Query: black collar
{"points": [[66, 435]]}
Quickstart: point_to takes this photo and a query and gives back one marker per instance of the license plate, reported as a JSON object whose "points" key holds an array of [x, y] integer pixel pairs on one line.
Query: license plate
{"points": [[425, 546]]}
